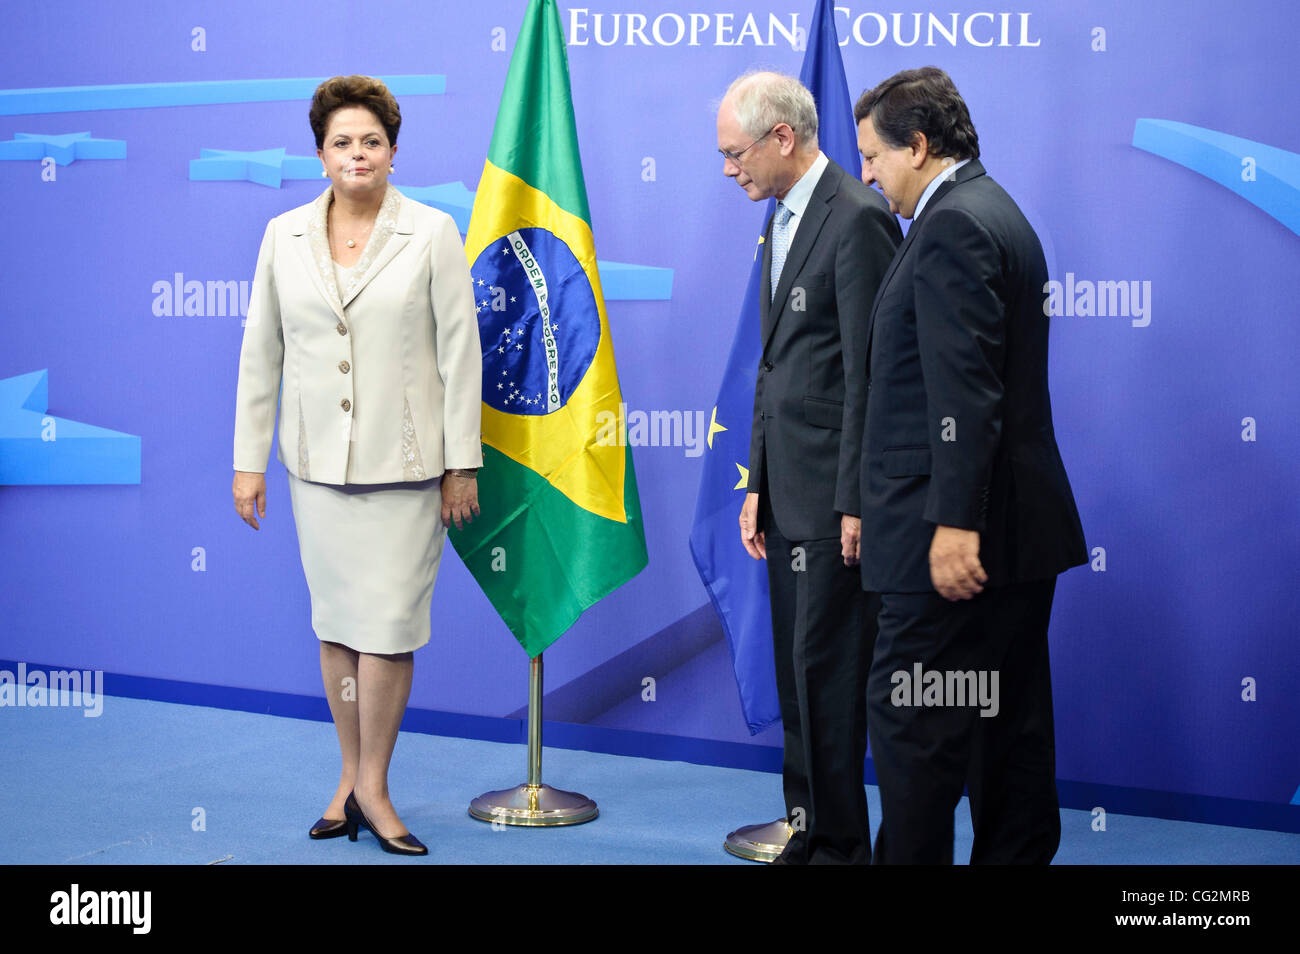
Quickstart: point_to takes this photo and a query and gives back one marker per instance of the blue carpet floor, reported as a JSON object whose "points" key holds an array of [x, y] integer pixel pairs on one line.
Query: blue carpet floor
{"points": [[133, 785]]}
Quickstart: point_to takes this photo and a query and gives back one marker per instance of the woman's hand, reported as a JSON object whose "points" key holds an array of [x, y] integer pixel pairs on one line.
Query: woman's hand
{"points": [[459, 498], [250, 496]]}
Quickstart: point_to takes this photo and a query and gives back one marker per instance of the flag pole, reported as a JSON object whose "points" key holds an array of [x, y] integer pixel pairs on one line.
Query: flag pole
{"points": [[534, 804], [531, 220]]}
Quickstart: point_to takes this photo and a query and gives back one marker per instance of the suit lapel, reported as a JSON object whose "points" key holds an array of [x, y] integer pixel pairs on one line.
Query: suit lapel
{"points": [[805, 237], [884, 284], [314, 250], [765, 285], [893, 266], [391, 232], [964, 174]]}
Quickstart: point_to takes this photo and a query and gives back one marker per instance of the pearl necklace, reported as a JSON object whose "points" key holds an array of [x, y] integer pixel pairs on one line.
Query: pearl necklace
{"points": [[350, 243]]}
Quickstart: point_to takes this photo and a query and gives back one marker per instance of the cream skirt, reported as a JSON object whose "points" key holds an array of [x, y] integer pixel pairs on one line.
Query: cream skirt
{"points": [[370, 553]]}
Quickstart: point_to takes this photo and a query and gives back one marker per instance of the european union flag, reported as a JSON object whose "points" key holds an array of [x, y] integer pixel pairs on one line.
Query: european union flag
{"points": [[737, 583]]}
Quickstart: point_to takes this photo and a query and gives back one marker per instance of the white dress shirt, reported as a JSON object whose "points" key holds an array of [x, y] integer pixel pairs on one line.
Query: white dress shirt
{"points": [[933, 187], [796, 200]]}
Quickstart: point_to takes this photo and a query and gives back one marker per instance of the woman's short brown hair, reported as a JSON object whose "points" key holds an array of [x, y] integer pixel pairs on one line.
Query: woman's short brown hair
{"points": [[341, 91]]}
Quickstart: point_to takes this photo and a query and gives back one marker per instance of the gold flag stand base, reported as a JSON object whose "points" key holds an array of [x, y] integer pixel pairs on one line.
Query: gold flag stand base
{"points": [[759, 842], [533, 804]]}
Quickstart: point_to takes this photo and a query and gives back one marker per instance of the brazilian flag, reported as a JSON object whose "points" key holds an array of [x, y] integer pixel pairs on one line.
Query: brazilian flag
{"points": [[561, 519]]}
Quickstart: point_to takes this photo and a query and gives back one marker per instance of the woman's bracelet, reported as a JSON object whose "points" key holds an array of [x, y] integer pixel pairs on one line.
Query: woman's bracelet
{"points": [[469, 473]]}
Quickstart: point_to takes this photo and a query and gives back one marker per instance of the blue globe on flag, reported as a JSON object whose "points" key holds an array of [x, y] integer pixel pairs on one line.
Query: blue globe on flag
{"points": [[537, 322]]}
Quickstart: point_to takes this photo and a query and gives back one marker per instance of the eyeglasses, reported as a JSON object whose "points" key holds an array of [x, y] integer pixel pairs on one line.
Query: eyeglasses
{"points": [[735, 156]]}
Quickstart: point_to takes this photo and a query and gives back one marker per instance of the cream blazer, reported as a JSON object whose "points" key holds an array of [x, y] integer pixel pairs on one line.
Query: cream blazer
{"points": [[380, 386]]}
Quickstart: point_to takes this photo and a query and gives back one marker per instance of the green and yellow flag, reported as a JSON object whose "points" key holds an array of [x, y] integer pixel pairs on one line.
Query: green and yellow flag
{"points": [[561, 522]]}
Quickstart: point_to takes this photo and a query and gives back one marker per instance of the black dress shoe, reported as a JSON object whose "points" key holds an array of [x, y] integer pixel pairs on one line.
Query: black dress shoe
{"points": [[328, 828], [407, 844], [795, 851]]}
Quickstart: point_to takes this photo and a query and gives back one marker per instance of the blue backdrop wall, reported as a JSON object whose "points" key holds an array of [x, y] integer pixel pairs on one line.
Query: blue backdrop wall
{"points": [[1154, 147]]}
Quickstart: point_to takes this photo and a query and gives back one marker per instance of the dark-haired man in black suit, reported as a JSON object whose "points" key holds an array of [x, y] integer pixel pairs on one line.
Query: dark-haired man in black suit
{"points": [[824, 253], [965, 501]]}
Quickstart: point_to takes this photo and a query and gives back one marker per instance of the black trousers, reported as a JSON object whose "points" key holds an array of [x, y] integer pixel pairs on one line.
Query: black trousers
{"points": [[924, 753], [822, 629]]}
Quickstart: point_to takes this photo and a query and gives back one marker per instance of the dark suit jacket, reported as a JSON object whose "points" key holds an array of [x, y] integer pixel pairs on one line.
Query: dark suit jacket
{"points": [[810, 395], [959, 421]]}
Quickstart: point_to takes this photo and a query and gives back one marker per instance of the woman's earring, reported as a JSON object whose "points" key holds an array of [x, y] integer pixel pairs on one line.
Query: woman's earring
{"points": [[391, 170], [324, 174]]}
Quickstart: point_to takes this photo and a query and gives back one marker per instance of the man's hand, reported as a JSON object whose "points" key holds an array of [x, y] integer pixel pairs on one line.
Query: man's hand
{"points": [[955, 566], [850, 539], [250, 496], [750, 536], [459, 499]]}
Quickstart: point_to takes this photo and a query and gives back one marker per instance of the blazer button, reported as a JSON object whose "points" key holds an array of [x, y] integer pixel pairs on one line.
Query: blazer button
{"points": [[767, 365], [344, 367], [341, 328], [345, 404]]}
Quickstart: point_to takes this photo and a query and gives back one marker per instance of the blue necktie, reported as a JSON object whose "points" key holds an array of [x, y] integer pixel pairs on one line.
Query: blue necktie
{"points": [[780, 241]]}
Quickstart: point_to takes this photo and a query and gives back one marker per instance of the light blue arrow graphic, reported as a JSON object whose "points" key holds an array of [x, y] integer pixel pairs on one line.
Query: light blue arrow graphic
{"points": [[451, 197], [36, 448], [1265, 176], [623, 282], [619, 281], [80, 99], [266, 167], [63, 149]]}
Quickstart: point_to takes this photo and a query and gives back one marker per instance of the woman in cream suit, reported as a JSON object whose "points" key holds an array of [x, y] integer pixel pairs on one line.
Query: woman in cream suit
{"points": [[362, 321]]}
